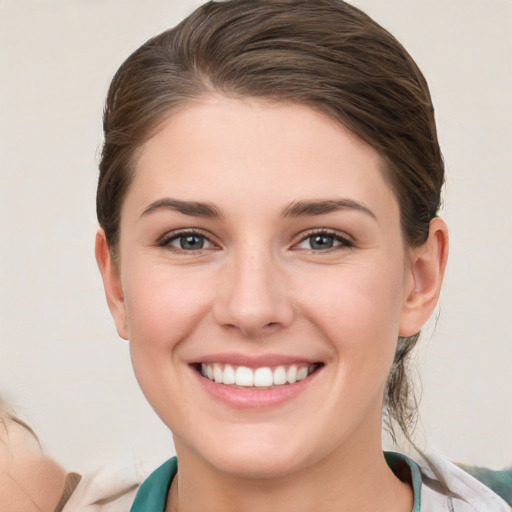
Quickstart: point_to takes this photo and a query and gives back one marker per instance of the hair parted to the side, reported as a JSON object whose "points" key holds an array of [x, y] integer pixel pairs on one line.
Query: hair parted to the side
{"points": [[325, 54]]}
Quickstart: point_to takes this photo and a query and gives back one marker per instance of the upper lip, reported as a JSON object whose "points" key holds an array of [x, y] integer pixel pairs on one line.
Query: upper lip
{"points": [[253, 361]]}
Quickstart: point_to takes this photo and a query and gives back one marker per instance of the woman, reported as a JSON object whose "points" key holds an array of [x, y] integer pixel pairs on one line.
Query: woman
{"points": [[270, 246]]}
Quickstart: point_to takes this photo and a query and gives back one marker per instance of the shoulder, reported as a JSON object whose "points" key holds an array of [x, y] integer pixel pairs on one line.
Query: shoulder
{"points": [[500, 481], [445, 486], [29, 480]]}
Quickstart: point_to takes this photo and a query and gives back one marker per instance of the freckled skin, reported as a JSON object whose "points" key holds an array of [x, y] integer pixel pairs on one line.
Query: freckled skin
{"points": [[258, 285], [29, 480]]}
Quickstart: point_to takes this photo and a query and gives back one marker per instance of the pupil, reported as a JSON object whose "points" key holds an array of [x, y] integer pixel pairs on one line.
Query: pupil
{"points": [[321, 242], [191, 242]]}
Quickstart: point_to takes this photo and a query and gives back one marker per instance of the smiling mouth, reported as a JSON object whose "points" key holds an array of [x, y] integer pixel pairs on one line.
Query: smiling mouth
{"points": [[265, 377]]}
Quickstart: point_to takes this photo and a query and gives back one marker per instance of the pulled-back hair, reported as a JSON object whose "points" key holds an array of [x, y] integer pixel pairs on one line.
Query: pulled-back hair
{"points": [[325, 54]]}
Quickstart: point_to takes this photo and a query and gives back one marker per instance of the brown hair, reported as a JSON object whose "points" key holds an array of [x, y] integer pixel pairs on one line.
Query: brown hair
{"points": [[325, 54]]}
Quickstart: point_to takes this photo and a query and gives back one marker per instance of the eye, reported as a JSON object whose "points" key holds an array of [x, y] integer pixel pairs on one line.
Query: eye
{"points": [[187, 241], [323, 241]]}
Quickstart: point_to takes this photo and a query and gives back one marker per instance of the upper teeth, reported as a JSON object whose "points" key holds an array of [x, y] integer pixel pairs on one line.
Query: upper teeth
{"points": [[259, 377]]}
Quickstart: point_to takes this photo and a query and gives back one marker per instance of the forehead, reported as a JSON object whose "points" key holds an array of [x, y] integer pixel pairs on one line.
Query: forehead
{"points": [[219, 148]]}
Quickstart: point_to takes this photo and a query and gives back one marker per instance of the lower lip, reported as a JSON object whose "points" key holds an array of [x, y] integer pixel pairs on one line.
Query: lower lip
{"points": [[254, 398]]}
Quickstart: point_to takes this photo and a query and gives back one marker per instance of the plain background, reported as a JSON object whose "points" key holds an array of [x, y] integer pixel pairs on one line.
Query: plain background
{"points": [[61, 363]]}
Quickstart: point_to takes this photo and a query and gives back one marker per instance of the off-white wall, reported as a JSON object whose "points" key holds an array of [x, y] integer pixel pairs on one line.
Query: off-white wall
{"points": [[61, 362]]}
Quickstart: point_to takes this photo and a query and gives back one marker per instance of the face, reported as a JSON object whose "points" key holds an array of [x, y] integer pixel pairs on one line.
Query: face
{"points": [[29, 481], [263, 282]]}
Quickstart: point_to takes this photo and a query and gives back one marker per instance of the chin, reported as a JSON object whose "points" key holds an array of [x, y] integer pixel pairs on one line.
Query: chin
{"points": [[258, 456]]}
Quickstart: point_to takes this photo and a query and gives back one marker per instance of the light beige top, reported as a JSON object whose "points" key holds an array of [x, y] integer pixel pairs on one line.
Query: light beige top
{"points": [[107, 490]]}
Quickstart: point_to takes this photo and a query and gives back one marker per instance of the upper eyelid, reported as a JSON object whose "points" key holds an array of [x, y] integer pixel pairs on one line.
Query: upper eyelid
{"points": [[324, 231], [172, 235]]}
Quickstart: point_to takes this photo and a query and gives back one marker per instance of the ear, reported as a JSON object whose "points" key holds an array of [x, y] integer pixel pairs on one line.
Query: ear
{"points": [[426, 271], [112, 283]]}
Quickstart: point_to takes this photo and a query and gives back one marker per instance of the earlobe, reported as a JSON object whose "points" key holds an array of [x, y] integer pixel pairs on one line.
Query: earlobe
{"points": [[111, 283], [426, 270]]}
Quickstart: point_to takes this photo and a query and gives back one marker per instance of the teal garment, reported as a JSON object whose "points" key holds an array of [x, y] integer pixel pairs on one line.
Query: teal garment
{"points": [[152, 494], [399, 464], [498, 481]]}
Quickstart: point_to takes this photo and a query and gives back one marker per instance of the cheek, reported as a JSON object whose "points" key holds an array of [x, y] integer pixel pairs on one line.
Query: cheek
{"points": [[163, 308], [358, 300], [162, 305], [358, 310]]}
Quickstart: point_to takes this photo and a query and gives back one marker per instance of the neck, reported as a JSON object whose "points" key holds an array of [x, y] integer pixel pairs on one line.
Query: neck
{"points": [[355, 479]]}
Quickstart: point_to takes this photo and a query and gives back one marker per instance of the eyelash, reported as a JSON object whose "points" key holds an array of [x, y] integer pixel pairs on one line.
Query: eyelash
{"points": [[166, 241], [342, 241]]}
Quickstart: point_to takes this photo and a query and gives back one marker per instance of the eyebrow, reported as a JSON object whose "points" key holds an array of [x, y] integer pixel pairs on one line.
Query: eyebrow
{"points": [[295, 209], [192, 208], [322, 207]]}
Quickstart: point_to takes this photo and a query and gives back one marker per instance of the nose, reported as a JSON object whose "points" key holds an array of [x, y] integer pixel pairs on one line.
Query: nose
{"points": [[255, 297]]}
